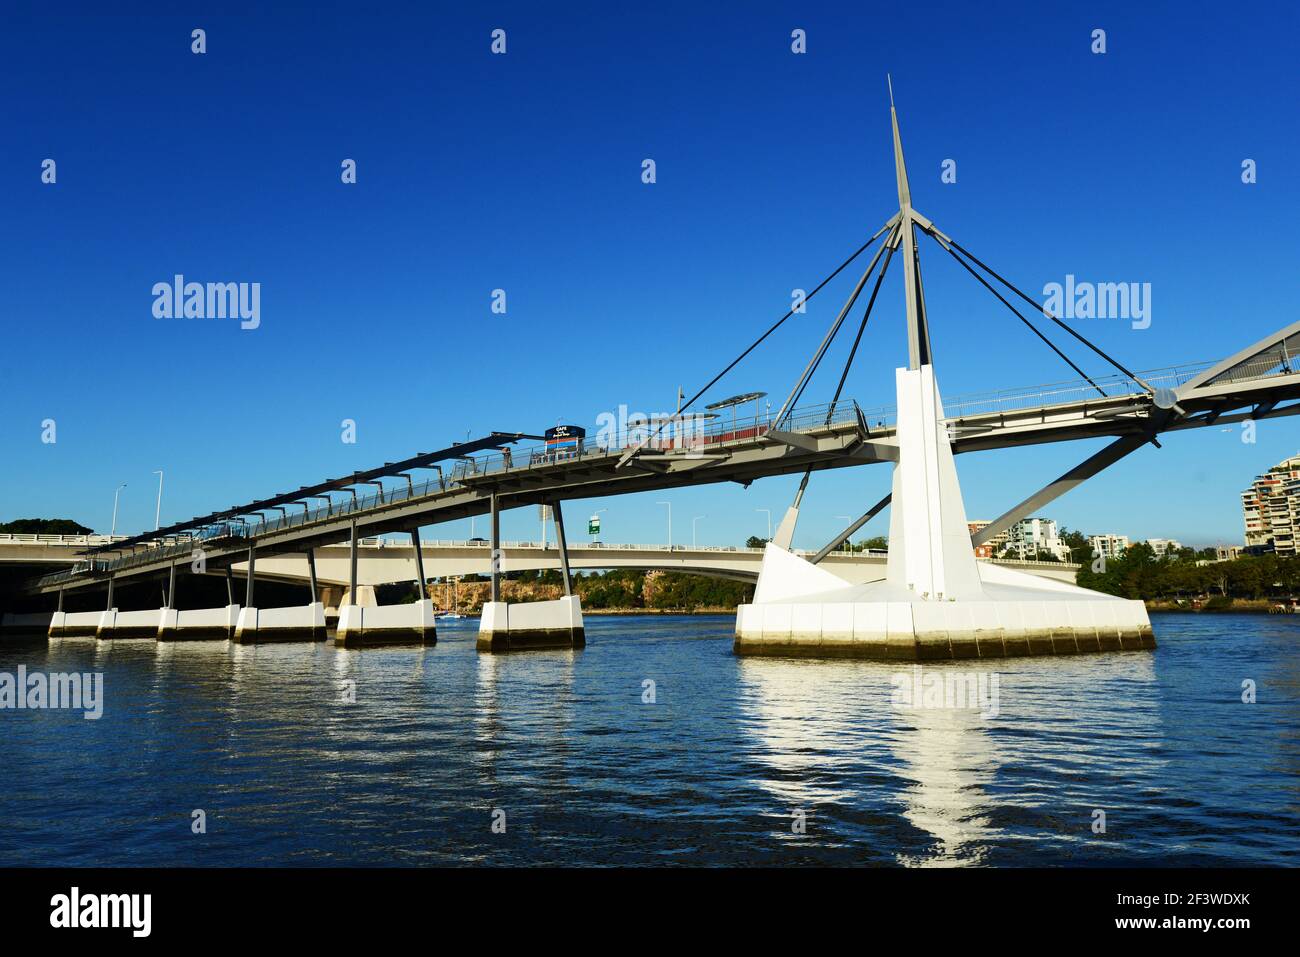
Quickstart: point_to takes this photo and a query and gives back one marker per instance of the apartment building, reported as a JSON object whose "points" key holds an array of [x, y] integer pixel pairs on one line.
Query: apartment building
{"points": [[1269, 509], [1109, 546]]}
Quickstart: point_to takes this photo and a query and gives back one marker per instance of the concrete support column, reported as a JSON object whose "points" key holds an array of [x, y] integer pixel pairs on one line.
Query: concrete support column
{"points": [[352, 576], [252, 560], [109, 605], [311, 571], [419, 564], [564, 547], [496, 547], [171, 586], [230, 586], [60, 608]]}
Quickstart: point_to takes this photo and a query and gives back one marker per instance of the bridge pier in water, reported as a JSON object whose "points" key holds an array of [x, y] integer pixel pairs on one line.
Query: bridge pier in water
{"points": [[936, 601], [362, 626], [266, 625], [531, 625]]}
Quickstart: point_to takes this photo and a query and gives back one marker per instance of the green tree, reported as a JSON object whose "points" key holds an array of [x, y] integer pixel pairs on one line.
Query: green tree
{"points": [[1077, 542], [44, 526]]}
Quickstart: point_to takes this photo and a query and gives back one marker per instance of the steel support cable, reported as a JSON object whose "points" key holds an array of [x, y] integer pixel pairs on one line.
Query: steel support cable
{"points": [[988, 269], [807, 377], [1029, 325], [797, 392], [862, 327], [756, 343]]}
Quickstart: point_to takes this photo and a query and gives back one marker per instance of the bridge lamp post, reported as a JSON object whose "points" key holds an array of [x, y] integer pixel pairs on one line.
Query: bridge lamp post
{"points": [[847, 518], [693, 521], [113, 529], [670, 523], [157, 512], [769, 521], [596, 513]]}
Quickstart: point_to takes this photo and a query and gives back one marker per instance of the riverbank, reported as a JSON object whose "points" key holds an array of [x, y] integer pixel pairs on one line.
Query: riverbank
{"points": [[1259, 606]]}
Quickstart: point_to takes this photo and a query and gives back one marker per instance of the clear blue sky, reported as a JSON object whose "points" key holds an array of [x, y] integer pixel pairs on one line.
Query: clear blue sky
{"points": [[523, 172]]}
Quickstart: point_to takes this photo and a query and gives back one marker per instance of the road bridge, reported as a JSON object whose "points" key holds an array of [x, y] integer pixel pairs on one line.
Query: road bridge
{"points": [[388, 561]]}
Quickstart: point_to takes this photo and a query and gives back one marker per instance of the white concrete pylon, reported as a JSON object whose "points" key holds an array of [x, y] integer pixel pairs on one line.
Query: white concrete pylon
{"points": [[929, 541]]}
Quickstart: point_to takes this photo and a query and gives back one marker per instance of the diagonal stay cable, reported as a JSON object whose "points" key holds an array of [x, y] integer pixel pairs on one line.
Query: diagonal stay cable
{"points": [[988, 269], [797, 392], [889, 247], [839, 389], [756, 343], [1029, 325]]}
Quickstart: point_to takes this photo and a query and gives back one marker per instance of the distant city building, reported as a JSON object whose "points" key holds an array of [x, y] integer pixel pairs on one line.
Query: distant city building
{"points": [[990, 548], [1227, 553], [1269, 509], [1109, 546], [1029, 536], [1164, 546]]}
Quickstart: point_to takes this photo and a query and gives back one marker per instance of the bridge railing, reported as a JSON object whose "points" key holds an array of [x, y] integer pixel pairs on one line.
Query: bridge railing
{"points": [[1045, 396], [29, 538]]}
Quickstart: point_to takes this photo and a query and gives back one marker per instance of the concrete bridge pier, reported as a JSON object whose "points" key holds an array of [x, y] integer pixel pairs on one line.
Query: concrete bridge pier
{"points": [[36, 626], [531, 625], [255, 625], [372, 625], [202, 624]]}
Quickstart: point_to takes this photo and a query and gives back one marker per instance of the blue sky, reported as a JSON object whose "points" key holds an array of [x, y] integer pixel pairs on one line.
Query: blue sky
{"points": [[523, 172]]}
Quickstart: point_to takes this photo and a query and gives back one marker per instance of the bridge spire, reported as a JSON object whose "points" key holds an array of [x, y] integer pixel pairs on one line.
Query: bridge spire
{"points": [[918, 330]]}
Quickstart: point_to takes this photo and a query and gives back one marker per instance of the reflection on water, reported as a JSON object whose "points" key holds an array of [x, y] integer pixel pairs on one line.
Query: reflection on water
{"points": [[311, 754]]}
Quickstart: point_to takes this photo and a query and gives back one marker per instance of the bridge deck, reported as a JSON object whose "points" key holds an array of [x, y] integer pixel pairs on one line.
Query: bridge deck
{"points": [[743, 449]]}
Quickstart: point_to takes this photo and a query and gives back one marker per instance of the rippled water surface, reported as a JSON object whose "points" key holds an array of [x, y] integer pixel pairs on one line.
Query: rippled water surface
{"points": [[713, 772]]}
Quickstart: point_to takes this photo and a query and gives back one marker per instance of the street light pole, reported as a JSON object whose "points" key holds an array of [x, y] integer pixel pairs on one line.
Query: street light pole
{"points": [[113, 530], [847, 518], [157, 512], [670, 523]]}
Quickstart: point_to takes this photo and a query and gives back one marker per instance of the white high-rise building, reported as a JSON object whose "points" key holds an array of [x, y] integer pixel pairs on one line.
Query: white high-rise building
{"points": [[1109, 546], [1164, 546], [1270, 508], [1029, 536]]}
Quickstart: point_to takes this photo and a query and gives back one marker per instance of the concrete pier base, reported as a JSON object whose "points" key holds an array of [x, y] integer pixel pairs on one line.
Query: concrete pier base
{"points": [[267, 625], [899, 631], [363, 626], [531, 625], [75, 624], [30, 627], [118, 625], [1017, 615], [203, 624]]}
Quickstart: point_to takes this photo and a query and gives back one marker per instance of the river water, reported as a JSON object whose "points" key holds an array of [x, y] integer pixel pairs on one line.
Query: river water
{"points": [[734, 761]]}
